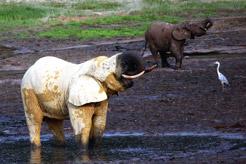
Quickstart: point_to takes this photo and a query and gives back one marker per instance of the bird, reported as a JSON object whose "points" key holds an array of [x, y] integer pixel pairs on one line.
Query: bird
{"points": [[221, 77]]}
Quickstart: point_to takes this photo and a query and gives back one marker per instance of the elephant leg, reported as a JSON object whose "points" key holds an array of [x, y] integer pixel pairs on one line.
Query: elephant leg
{"points": [[177, 49], [34, 115], [178, 61], [56, 126], [98, 123], [81, 119], [154, 52], [85, 134], [164, 62]]}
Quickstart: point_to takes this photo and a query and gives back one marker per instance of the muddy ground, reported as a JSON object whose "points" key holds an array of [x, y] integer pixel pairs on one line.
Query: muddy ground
{"points": [[168, 115]]}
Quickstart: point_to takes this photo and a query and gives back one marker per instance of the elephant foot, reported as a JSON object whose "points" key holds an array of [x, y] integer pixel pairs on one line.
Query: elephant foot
{"points": [[82, 145]]}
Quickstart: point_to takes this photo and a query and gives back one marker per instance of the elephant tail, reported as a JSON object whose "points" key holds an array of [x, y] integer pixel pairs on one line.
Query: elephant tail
{"points": [[144, 49]]}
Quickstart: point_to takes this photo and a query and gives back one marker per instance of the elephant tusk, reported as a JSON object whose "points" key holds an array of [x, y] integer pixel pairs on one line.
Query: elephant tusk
{"points": [[204, 29], [133, 76], [119, 53]]}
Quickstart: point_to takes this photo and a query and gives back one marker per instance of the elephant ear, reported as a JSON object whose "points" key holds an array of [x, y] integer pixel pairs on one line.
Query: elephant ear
{"points": [[85, 89], [181, 33]]}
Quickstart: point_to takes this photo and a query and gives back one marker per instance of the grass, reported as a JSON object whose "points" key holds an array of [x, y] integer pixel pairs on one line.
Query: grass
{"points": [[20, 12], [16, 15], [130, 19], [96, 5], [43, 18], [88, 34], [134, 25], [195, 8]]}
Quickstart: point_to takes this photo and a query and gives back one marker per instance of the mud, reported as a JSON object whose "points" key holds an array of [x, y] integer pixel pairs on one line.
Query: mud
{"points": [[167, 116], [124, 149]]}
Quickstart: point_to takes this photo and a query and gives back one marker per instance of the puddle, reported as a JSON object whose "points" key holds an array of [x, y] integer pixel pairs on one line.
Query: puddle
{"points": [[208, 134], [122, 146], [123, 134], [154, 97]]}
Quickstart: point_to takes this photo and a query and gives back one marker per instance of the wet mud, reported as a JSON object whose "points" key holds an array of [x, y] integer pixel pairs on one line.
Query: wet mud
{"points": [[168, 115], [122, 149]]}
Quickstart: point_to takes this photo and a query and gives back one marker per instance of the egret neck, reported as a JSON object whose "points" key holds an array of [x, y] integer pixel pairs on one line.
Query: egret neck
{"points": [[218, 66]]}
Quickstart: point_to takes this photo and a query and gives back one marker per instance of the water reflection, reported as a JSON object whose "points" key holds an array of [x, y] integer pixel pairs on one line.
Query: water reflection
{"points": [[118, 148], [35, 157], [63, 155]]}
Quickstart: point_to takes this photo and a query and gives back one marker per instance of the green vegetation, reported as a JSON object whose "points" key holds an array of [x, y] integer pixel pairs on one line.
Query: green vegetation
{"points": [[96, 4], [193, 8], [92, 33], [20, 12], [102, 27], [17, 15], [92, 19]]}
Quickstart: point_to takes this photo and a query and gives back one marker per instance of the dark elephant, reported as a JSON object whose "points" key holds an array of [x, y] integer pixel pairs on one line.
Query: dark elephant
{"points": [[164, 37]]}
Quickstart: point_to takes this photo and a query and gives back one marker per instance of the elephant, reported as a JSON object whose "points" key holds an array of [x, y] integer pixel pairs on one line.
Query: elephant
{"points": [[163, 37], [53, 90]]}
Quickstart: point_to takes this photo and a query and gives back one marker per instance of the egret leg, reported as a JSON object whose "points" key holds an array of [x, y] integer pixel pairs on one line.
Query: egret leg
{"points": [[223, 86]]}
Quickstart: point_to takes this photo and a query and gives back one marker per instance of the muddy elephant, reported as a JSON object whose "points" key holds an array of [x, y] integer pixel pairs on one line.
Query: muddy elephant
{"points": [[164, 38], [53, 90]]}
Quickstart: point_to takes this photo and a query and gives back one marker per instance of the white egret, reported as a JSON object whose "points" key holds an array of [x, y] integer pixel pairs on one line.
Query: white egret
{"points": [[221, 77]]}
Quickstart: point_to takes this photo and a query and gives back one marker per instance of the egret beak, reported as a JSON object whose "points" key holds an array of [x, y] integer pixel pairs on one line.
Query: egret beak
{"points": [[216, 63]]}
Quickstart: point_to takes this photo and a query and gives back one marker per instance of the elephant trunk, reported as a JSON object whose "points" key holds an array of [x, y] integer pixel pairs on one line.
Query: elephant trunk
{"points": [[207, 23]]}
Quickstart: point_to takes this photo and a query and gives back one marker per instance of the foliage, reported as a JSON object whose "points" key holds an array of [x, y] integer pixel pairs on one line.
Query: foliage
{"points": [[45, 18]]}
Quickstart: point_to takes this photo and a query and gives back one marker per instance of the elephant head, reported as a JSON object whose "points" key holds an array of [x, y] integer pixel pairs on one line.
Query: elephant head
{"points": [[129, 66], [103, 76], [200, 28], [118, 71], [190, 30]]}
